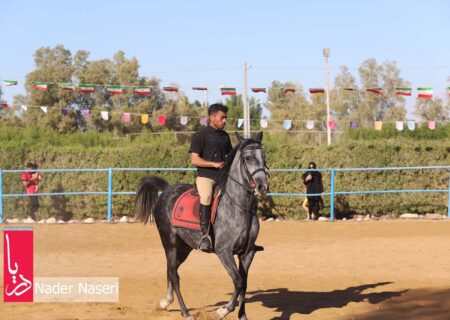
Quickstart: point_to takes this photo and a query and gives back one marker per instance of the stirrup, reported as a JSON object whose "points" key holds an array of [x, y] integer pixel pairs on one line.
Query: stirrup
{"points": [[205, 249]]}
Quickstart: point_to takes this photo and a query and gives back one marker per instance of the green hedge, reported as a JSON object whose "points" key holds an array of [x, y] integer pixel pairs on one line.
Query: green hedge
{"points": [[93, 150]]}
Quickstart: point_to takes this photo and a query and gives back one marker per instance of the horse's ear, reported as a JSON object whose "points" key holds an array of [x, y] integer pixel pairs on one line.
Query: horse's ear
{"points": [[239, 137], [259, 136]]}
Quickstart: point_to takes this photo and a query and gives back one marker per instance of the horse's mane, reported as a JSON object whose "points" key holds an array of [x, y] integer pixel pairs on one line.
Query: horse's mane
{"points": [[225, 170]]}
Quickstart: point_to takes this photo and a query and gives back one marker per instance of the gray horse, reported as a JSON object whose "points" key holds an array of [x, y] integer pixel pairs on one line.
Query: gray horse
{"points": [[235, 228]]}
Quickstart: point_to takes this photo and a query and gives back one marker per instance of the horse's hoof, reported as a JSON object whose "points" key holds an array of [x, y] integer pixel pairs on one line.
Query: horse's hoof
{"points": [[222, 313], [163, 304], [244, 317]]}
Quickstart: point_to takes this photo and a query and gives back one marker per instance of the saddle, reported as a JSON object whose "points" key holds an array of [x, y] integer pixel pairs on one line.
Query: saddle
{"points": [[186, 211]]}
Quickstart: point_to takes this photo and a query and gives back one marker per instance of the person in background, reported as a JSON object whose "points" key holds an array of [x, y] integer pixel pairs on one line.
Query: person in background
{"points": [[313, 182], [30, 180]]}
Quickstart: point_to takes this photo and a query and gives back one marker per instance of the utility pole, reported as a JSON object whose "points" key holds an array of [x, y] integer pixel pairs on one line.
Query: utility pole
{"points": [[206, 99], [326, 54], [245, 104]]}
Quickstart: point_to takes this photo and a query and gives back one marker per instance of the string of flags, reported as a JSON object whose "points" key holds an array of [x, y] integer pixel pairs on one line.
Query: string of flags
{"points": [[422, 92], [161, 120]]}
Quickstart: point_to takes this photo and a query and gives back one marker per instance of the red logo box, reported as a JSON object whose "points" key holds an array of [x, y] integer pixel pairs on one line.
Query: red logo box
{"points": [[18, 264]]}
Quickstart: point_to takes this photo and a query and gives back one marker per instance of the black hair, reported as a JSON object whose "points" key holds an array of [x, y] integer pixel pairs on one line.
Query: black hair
{"points": [[29, 165], [312, 164], [216, 107]]}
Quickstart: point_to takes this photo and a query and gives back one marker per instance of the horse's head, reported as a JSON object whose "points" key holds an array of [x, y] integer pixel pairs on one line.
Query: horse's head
{"points": [[253, 160]]}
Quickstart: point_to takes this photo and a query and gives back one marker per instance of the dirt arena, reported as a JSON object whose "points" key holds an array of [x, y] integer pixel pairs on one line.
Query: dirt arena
{"points": [[310, 270]]}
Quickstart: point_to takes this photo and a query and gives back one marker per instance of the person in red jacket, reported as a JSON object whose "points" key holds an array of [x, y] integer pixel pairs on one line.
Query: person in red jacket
{"points": [[31, 180]]}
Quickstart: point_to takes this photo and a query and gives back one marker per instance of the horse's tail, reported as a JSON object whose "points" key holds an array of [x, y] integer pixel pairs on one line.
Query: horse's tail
{"points": [[147, 195]]}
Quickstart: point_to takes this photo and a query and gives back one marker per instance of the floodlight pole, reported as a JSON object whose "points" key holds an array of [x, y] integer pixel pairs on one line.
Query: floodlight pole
{"points": [[326, 54], [245, 104]]}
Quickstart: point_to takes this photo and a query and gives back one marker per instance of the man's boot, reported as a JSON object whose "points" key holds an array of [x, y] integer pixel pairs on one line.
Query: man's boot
{"points": [[205, 218]]}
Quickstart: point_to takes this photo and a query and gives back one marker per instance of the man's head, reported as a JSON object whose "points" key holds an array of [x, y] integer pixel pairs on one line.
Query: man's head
{"points": [[29, 166], [312, 165], [217, 115]]}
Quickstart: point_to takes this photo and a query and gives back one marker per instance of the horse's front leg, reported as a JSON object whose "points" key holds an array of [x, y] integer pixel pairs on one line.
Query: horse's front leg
{"points": [[228, 262], [245, 260]]}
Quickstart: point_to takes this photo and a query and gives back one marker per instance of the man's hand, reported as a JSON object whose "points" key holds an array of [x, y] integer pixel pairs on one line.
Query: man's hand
{"points": [[218, 165], [309, 177]]}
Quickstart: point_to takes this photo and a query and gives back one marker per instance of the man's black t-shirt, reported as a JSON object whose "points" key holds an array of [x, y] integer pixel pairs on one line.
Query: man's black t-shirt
{"points": [[211, 145]]}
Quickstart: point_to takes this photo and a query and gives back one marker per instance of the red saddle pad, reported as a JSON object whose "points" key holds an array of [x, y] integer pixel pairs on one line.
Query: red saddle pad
{"points": [[186, 212]]}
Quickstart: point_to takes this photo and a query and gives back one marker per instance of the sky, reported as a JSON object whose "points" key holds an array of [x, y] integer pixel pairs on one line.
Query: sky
{"points": [[205, 43]]}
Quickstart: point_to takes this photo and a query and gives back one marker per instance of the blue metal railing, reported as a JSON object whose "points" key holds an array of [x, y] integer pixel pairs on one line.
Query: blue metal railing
{"points": [[110, 193]]}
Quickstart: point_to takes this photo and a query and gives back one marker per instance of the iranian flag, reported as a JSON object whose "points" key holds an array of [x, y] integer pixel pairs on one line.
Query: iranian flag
{"points": [[316, 90], [67, 86], [289, 90], [257, 90], [9, 83], [170, 89], [200, 88], [114, 89], [426, 93], [378, 91], [86, 88], [4, 105], [349, 89], [228, 91], [142, 90], [403, 91], [41, 86]]}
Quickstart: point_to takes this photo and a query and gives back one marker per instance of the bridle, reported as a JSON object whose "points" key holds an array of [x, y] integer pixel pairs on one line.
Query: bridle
{"points": [[250, 186]]}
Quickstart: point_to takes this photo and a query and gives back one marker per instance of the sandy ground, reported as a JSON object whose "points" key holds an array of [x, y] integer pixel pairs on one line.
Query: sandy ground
{"points": [[310, 270]]}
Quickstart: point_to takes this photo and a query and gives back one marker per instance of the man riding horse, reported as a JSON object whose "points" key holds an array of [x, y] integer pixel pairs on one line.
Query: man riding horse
{"points": [[209, 149]]}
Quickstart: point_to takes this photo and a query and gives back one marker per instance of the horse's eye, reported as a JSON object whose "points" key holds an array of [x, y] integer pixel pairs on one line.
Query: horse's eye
{"points": [[248, 158]]}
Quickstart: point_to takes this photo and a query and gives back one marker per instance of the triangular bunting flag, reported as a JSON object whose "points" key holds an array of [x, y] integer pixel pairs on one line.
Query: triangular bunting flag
{"points": [[184, 120], [240, 122], [85, 113], [4, 105], [105, 115], [144, 118], [287, 124], [126, 117], [353, 124], [378, 125], [431, 125], [162, 120], [24, 107], [264, 123], [204, 121], [332, 124], [64, 112], [309, 124], [44, 109], [399, 125], [411, 125]]}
